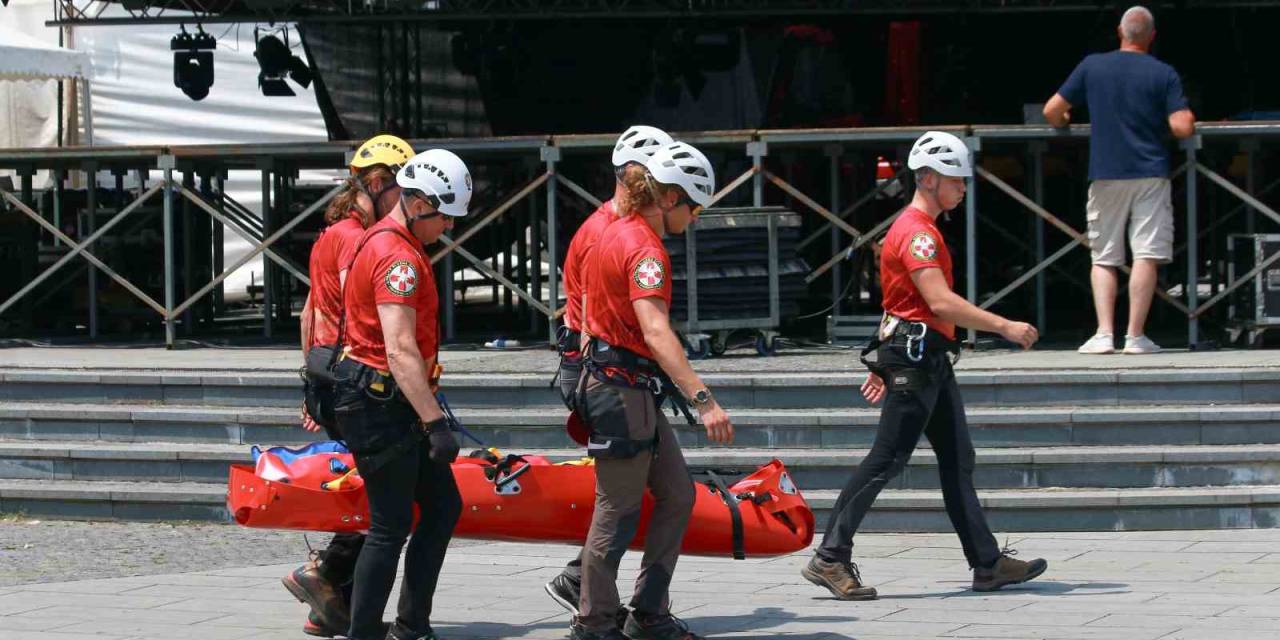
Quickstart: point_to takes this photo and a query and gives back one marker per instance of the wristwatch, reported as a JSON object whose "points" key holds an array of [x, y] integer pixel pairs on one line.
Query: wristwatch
{"points": [[700, 397]]}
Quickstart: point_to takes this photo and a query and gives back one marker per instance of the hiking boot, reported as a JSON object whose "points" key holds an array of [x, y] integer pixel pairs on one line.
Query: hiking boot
{"points": [[314, 626], [565, 591], [579, 632], [1099, 344], [1006, 571], [840, 578], [1136, 345], [657, 627], [325, 598]]}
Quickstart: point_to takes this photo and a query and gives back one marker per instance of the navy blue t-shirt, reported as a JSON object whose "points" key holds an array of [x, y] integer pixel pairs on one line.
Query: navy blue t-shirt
{"points": [[1130, 96]]}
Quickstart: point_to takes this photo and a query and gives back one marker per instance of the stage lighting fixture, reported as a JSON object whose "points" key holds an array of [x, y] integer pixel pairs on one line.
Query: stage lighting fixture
{"points": [[276, 62], [193, 62]]}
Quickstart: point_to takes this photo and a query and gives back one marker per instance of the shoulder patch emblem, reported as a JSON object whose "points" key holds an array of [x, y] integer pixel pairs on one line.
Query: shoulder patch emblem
{"points": [[649, 274], [923, 246], [401, 278]]}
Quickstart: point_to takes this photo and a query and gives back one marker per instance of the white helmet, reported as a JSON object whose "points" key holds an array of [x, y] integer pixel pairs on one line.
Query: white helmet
{"points": [[638, 144], [942, 152], [680, 164], [441, 175]]}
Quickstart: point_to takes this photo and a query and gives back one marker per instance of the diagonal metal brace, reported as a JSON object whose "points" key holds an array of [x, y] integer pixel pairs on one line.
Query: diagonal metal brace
{"points": [[867, 197], [480, 266], [734, 184], [217, 215], [82, 248], [853, 246], [491, 216], [808, 202], [1238, 192], [1065, 228], [578, 190], [259, 247]]}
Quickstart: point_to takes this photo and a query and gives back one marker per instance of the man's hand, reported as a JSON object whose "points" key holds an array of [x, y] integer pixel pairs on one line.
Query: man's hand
{"points": [[307, 422], [873, 389], [1020, 333], [719, 429]]}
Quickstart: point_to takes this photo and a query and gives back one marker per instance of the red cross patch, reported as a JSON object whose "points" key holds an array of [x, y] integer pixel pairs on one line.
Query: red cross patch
{"points": [[401, 278], [649, 274], [923, 246]]}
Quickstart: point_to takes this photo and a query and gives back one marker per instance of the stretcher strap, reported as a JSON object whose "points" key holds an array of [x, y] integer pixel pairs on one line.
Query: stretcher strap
{"points": [[735, 516]]}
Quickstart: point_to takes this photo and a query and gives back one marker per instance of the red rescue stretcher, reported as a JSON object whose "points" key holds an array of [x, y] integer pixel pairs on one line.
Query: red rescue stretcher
{"points": [[521, 499]]}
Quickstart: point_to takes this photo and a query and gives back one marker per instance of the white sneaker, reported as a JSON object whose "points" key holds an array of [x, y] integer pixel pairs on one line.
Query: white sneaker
{"points": [[1139, 345], [1099, 344]]}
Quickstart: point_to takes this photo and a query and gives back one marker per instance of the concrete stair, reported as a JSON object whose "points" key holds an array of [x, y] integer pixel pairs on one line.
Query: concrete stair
{"points": [[1069, 450], [543, 426]]}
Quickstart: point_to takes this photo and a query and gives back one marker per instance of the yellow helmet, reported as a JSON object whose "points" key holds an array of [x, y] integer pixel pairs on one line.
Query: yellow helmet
{"points": [[385, 150]]}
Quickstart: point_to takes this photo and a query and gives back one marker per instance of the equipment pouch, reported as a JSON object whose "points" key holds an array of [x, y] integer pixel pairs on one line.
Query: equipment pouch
{"points": [[568, 376], [319, 386], [898, 370], [623, 420]]}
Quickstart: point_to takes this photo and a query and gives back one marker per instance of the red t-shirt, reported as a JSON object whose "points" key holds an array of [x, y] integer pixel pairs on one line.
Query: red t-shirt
{"points": [[913, 243], [324, 265], [575, 261], [391, 268], [631, 264]]}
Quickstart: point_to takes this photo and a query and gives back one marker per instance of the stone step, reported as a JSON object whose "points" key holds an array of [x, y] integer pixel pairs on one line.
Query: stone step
{"points": [[542, 427], [812, 469], [895, 510], [778, 390]]}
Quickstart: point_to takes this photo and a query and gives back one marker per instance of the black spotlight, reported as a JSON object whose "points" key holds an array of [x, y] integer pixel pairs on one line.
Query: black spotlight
{"points": [[276, 62], [193, 62]]}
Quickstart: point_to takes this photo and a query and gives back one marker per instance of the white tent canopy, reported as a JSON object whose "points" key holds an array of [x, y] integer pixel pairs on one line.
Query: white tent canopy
{"points": [[23, 57]]}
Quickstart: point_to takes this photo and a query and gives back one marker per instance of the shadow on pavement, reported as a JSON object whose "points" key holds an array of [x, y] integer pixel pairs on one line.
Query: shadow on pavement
{"points": [[1039, 586], [762, 619]]}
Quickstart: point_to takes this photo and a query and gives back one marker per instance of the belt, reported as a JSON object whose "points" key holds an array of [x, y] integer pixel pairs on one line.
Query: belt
{"points": [[616, 365], [918, 339]]}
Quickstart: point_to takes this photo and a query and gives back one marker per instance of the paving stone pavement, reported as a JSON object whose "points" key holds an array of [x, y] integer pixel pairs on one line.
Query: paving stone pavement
{"points": [[1165, 585]]}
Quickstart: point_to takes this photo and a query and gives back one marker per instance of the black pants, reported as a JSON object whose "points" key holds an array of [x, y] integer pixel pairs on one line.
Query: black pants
{"points": [[338, 560], [393, 490], [931, 404]]}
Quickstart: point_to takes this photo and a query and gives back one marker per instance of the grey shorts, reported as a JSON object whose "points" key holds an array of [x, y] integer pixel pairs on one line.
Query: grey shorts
{"points": [[1144, 205]]}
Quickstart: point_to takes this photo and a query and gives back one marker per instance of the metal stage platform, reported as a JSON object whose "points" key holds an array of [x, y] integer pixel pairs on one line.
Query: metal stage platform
{"points": [[526, 186]]}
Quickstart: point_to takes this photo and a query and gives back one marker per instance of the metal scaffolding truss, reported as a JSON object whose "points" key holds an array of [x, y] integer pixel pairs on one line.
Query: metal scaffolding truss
{"points": [[550, 185], [88, 12]]}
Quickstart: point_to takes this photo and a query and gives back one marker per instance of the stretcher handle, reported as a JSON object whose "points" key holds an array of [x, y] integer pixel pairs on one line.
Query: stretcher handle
{"points": [[500, 481]]}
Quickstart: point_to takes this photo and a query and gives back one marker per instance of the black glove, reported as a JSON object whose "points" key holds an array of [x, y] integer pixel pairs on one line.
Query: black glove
{"points": [[443, 444]]}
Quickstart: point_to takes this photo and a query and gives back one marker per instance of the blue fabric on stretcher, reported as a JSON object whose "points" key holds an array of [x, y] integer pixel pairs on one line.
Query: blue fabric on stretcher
{"points": [[288, 455]]}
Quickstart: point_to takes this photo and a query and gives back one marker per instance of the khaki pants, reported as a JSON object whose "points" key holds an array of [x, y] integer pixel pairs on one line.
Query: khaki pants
{"points": [[1144, 205], [620, 489]]}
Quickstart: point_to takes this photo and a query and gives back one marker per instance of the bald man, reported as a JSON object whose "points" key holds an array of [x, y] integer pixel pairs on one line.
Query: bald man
{"points": [[1135, 101]]}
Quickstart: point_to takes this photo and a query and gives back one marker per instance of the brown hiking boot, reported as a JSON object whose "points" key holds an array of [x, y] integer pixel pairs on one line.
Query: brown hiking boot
{"points": [[325, 598], [840, 578], [1006, 571]]}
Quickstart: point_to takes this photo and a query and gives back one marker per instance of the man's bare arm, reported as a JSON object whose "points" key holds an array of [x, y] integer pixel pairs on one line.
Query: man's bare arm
{"points": [[405, 360], [1057, 111], [1182, 124], [949, 306]]}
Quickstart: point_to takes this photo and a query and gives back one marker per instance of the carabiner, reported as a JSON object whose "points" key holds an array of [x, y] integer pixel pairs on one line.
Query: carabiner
{"points": [[915, 344]]}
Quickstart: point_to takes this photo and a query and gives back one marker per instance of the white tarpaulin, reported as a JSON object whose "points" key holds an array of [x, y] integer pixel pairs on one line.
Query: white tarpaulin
{"points": [[135, 103], [23, 57]]}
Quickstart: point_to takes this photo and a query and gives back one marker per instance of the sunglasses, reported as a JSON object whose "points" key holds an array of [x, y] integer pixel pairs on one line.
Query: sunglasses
{"points": [[427, 200], [694, 208]]}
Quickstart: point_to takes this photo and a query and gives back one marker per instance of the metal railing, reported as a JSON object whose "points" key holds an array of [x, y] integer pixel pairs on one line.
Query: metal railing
{"points": [[278, 162]]}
